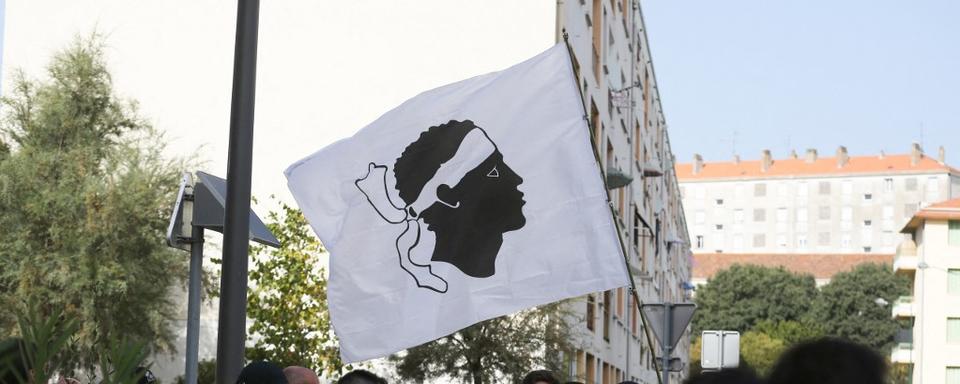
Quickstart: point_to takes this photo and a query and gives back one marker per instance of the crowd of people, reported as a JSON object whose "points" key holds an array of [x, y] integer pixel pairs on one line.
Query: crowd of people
{"points": [[824, 361]]}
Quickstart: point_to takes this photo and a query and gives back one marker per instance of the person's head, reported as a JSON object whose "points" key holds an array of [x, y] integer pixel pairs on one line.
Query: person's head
{"points": [[261, 372], [361, 376], [13, 367], [146, 377], [540, 377], [300, 375], [829, 361], [726, 376], [467, 209]]}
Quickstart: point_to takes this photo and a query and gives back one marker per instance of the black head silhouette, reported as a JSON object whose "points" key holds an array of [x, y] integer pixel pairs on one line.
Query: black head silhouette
{"points": [[470, 218]]}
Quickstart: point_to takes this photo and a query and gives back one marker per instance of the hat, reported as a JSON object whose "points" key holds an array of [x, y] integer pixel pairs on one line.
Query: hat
{"points": [[261, 372]]}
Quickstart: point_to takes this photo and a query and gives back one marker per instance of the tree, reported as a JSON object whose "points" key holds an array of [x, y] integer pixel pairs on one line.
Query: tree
{"points": [[791, 332], [497, 350], [288, 298], [739, 297], [85, 196], [849, 307], [759, 351]]}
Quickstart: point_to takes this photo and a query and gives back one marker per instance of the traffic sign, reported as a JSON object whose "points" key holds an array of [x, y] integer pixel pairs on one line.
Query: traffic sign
{"points": [[680, 315]]}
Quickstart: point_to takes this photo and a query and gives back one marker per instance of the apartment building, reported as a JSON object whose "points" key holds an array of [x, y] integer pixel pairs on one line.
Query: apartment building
{"points": [[615, 74], [811, 214], [930, 345]]}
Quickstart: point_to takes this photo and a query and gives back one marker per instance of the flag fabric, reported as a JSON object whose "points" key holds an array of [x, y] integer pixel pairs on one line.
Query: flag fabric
{"points": [[467, 202]]}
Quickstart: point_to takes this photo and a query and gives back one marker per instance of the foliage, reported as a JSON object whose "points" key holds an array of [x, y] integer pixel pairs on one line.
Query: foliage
{"points": [[848, 306], [287, 298], [502, 349], [739, 297], [206, 373], [85, 195], [790, 332], [759, 351]]}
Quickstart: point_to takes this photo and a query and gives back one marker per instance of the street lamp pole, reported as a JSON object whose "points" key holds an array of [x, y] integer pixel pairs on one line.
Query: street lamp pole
{"points": [[231, 334]]}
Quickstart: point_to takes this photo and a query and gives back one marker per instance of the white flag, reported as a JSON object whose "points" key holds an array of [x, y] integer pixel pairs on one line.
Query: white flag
{"points": [[467, 202]]}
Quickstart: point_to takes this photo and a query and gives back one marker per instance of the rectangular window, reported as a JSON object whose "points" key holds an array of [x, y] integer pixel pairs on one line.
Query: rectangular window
{"points": [[759, 215], [824, 213], [933, 190], [782, 241], [718, 242], [699, 241], [824, 187], [888, 185], [823, 238], [591, 307], [909, 209], [699, 217], [738, 190], [867, 197], [845, 241], [953, 375], [887, 212], [953, 330], [759, 240], [802, 241], [781, 215], [719, 202], [802, 189], [591, 374], [782, 190], [738, 216], [700, 192], [846, 187], [737, 242], [802, 215], [910, 184], [620, 303], [954, 232], [953, 281], [759, 189], [634, 314], [718, 227], [846, 214], [606, 315], [597, 37]]}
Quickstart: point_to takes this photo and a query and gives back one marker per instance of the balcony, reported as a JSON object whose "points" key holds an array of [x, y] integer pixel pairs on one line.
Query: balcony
{"points": [[905, 263], [903, 307], [902, 353]]}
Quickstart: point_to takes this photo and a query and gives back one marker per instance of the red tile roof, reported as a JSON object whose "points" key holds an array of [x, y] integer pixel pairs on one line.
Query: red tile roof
{"points": [[820, 265], [944, 210], [821, 166]]}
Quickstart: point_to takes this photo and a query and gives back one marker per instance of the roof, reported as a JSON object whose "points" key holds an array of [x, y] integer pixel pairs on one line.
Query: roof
{"points": [[944, 210], [825, 166], [820, 265]]}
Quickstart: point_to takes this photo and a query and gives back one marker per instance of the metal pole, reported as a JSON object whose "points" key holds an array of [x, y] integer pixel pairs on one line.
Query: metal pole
{"points": [[231, 333], [667, 337], [193, 305], [629, 338]]}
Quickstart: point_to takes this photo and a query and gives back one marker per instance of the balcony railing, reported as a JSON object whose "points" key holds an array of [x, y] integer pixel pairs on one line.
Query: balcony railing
{"points": [[905, 263], [903, 307], [902, 353]]}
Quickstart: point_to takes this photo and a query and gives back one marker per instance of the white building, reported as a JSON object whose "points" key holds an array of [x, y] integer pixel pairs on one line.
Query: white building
{"points": [[616, 77], [932, 260], [795, 211]]}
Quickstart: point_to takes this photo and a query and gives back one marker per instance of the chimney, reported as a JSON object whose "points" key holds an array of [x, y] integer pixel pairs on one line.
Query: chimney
{"points": [[842, 157], [942, 155], [882, 154], [811, 156], [793, 154], [766, 162], [736, 159], [916, 153], [697, 163]]}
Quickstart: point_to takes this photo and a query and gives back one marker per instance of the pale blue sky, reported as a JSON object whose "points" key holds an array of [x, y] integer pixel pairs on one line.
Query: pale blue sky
{"points": [[866, 74]]}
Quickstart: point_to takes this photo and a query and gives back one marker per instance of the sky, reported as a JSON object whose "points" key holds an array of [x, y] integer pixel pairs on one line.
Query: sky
{"points": [[755, 74]]}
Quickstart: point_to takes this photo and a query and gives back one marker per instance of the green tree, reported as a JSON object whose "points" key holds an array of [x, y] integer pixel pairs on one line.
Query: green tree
{"points": [[502, 349], [287, 298], [849, 307], [759, 351], [739, 297], [85, 196], [791, 332]]}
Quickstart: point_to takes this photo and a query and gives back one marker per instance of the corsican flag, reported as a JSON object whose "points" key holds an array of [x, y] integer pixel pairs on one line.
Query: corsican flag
{"points": [[467, 202]]}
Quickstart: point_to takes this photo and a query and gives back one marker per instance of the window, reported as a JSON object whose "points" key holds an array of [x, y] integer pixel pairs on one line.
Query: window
{"points": [[759, 240], [954, 232], [759, 215], [909, 209], [718, 227], [953, 281], [888, 212], [738, 216], [888, 185], [846, 187], [699, 217], [867, 197], [699, 241], [782, 190], [846, 214], [824, 188], [591, 308], [867, 249], [738, 190], [868, 224], [759, 189], [933, 189], [888, 238], [802, 241], [953, 375], [719, 201], [781, 215], [591, 371], [910, 184], [700, 192], [953, 330], [802, 189], [802, 215], [845, 241], [782, 241], [824, 213], [737, 242], [606, 315], [597, 37], [620, 303], [823, 238], [718, 242]]}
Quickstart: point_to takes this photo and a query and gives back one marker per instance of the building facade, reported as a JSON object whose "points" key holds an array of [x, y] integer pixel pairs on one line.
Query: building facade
{"points": [[849, 206], [930, 257], [615, 74]]}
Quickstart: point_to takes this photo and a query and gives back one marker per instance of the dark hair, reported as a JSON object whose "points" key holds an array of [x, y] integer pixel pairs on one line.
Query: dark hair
{"points": [[422, 158], [14, 368], [542, 375], [829, 361], [361, 376], [727, 376]]}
